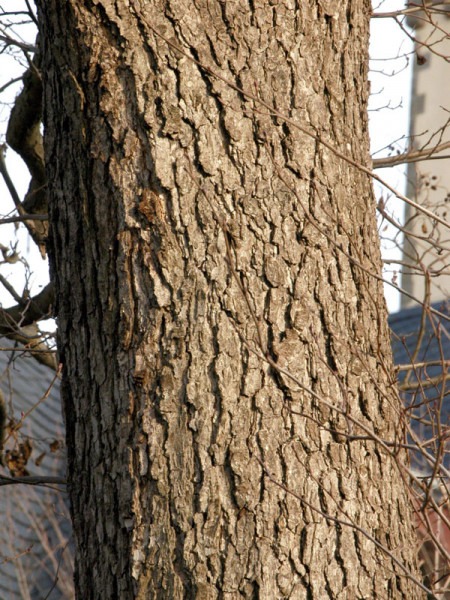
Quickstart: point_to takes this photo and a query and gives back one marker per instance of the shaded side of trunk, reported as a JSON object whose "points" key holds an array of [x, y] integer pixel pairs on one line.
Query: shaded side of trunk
{"points": [[192, 233]]}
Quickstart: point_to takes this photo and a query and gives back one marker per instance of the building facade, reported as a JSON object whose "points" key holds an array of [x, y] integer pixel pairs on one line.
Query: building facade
{"points": [[426, 246]]}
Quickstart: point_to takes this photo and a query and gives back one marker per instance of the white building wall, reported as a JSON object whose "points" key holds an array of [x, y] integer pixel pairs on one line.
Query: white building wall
{"points": [[429, 181]]}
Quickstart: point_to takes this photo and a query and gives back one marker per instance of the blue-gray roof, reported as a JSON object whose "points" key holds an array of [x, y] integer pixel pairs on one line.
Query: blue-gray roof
{"points": [[35, 525], [422, 338]]}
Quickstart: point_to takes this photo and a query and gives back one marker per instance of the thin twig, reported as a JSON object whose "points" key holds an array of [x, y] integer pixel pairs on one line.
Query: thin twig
{"points": [[24, 217], [411, 156]]}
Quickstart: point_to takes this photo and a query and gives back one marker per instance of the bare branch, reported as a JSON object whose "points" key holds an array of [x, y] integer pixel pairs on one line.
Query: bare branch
{"points": [[27, 312], [23, 218], [19, 323], [24, 136], [32, 480], [9, 41], [411, 156], [11, 82], [31, 13], [411, 10], [10, 289]]}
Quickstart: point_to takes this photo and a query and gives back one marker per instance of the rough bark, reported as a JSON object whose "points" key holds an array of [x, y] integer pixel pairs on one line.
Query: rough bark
{"points": [[177, 429]]}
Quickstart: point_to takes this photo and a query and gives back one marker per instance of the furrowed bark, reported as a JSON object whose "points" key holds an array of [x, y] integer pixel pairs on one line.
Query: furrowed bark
{"points": [[190, 233]]}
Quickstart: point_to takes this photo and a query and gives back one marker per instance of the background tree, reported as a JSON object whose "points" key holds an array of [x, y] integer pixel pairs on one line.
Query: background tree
{"points": [[35, 561]]}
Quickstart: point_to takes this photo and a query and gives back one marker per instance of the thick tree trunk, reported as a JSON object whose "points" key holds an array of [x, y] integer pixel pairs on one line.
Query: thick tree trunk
{"points": [[191, 233]]}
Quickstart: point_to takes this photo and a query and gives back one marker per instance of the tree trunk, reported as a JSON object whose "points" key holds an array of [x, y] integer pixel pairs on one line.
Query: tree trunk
{"points": [[199, 244]]}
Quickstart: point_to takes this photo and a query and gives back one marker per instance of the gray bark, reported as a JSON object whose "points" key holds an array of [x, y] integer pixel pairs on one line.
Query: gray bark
{"points": [[177, 429]]}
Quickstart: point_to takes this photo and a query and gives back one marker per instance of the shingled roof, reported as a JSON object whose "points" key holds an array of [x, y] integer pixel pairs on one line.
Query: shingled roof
{"points": [[35, 520], [421, 347], [405, 326]]}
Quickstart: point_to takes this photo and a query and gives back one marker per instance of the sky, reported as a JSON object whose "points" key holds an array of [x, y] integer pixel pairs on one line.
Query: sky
{"points": [[389, 109], [391, 61]]}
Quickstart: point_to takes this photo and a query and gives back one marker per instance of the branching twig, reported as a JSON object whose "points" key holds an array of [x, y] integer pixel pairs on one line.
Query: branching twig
{"points": [[411, 156]]}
